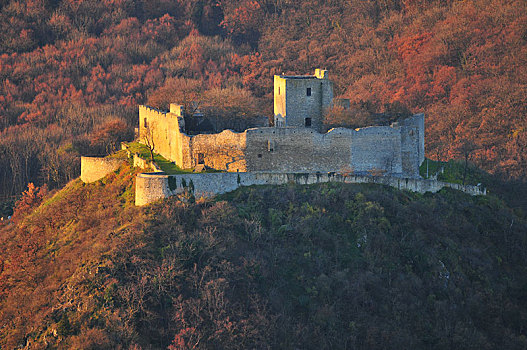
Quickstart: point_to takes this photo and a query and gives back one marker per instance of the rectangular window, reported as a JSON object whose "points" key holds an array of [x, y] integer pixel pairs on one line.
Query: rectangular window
{"points": [[308, 92], [308, 122], [279, 90], [201, 158], [145, 123]]}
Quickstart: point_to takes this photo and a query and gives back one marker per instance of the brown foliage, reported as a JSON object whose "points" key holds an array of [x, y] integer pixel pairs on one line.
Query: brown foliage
{"points": [[460, 62]]}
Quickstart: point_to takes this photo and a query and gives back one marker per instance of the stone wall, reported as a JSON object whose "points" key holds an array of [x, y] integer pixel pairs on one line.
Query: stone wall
{"points": [[164, 130], [145, 164], [396, 149], [297, 150], [95, 168], [150, 187], [305, 150], [412, 143], [225, 151], [376, 149], [154, 186]]}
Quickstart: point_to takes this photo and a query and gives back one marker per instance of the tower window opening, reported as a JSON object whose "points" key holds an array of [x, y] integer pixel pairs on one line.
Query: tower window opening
{"points": [[308, 92], [308, 122], [145, 123], [270, 145], [201, 158]]}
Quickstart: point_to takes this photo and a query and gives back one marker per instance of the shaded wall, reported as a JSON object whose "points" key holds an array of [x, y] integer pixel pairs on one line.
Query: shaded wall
{"points": [[396, 149], [151, 187]]}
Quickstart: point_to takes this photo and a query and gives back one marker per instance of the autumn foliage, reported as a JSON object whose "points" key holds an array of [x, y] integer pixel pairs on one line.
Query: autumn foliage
{"points": [[68, 68]]}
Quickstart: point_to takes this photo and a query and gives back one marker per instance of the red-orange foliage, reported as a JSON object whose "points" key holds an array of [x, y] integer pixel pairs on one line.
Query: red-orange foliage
{"points": [[108, 136], [242, 19], [30, 199], [460, 62]]}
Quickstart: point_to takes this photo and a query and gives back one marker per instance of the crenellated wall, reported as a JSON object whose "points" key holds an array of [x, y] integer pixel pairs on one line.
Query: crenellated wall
{"points": [[151, 187], [295, 143], [392, 150], [164, 130]]}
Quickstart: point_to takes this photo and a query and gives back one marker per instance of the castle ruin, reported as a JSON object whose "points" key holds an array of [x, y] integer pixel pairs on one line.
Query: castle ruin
{"points": [[295, 144], [295, 150]]}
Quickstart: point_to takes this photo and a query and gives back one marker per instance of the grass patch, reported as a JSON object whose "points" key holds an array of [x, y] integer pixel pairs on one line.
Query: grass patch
{"points": [[166, 165], [140, 149], [121, 154], [452, 172]]}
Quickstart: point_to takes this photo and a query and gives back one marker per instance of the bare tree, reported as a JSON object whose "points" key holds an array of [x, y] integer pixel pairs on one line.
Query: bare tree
{"points": [[465, 148], [149, 139]]}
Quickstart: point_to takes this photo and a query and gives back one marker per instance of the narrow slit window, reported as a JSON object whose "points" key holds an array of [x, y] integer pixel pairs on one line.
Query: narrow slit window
{"points": [[270, 146], [279, 90], [308, 91], [145, 123], [201, 158]]}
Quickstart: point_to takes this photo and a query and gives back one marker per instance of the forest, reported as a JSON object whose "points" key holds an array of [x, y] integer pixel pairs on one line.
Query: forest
{"points": [[326, 266], [73, 71]]}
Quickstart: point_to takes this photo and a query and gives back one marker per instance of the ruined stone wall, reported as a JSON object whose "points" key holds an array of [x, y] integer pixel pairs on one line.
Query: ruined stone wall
{"points": [[224, 151], [154, 186], [297, 149], [412, 143], [305, 150], [164, 128], [150, 187], [95, 168], [376, 149], [395, 150]]}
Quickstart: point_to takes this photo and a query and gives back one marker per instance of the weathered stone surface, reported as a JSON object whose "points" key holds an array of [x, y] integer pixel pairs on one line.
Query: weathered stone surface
{"points": [[95, 168], [390, 150], [224, 151], [289, 147], [154, 186], [299, 97]]}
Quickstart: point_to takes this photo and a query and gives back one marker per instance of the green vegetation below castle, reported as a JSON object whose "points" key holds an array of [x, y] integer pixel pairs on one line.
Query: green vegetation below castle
{"points": [[308, 267]]}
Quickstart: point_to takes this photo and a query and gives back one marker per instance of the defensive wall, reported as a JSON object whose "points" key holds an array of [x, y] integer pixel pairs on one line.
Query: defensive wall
{"points": [[305, 150], [295, 144], [95, 168], [151, 187], [397, 149], [164, 130]]}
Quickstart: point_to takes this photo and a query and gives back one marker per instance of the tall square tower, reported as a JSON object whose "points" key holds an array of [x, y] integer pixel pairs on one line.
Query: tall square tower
{"points": [[300, 100]]}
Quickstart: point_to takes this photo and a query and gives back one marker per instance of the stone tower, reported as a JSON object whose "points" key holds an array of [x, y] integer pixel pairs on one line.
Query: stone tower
{"points": [[300, 100]]}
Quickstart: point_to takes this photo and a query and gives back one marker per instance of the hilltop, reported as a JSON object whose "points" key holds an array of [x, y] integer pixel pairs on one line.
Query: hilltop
{"points": [[73, 72], [320, 266]]}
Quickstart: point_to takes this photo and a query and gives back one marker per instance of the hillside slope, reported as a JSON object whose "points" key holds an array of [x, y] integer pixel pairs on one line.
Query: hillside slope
{"points": [[310, 267]]}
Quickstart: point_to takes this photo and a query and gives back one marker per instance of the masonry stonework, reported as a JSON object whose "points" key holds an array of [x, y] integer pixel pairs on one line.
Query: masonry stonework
{"points": [[294, 145], [300, 100], [225, 151], [151, 187], [95, 168]]}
